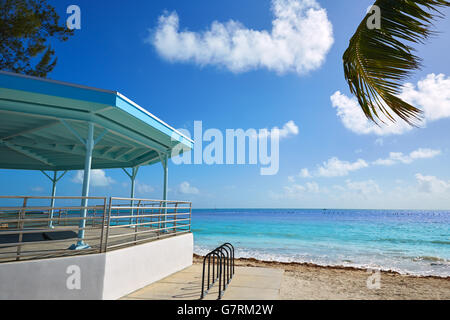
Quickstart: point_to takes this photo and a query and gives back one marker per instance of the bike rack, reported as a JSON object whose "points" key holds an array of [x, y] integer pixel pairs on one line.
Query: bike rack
{"points": [[223, 270]]}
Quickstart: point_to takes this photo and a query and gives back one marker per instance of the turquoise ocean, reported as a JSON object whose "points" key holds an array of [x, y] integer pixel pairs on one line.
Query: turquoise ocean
{"points": [[409, 242]]}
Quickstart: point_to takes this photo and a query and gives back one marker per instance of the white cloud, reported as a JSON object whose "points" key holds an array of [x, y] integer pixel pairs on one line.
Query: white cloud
{"points": [[431, 184], [296, 191], [143, 188], [379, 142], [339, 188], [186, 188], [399, 157], [301, 37], [288, 130], [37, 189], [431, 94], [427, 192], [304, 173], [312, 187], [334, 167], [424, 154], [386, 162], [364, 188], [98, 178], [352, 117], [337, 168], [361, 188]]}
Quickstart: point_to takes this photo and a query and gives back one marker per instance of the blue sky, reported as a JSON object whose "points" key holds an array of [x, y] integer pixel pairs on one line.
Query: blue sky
{"points": [[349, 163]]}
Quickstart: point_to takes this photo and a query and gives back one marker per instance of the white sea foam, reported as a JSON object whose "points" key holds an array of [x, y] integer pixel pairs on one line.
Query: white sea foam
{"points": [[419, 266]]}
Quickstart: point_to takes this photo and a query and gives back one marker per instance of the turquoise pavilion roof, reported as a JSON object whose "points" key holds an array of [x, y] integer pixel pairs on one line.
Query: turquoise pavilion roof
{"points": [[43, 124]]}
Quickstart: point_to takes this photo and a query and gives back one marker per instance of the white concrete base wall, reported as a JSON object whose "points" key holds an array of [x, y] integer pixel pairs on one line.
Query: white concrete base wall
{"points": [[145, 264], [47, 279], [108, 275]]}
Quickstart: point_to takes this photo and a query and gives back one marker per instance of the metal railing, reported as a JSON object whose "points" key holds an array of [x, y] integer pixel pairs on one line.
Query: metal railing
{"points": [[133, 221], [222, 269], [31, 229]]}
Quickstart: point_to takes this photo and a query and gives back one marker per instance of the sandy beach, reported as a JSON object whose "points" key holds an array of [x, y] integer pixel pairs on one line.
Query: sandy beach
{"points": [[312, 282]]}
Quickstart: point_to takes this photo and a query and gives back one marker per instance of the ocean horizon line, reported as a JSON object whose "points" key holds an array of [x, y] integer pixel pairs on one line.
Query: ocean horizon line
{"points": [[273, 208]]}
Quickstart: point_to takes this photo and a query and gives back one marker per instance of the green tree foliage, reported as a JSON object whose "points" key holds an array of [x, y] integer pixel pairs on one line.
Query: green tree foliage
{"points": [[26, 28], [377, 61]]}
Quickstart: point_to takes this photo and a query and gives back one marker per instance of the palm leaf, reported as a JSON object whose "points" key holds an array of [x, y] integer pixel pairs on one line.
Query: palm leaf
{"points": [[377, 61]]}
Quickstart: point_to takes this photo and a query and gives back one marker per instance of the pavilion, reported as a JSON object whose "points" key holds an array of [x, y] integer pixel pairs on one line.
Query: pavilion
{"points": [[54, 126]]}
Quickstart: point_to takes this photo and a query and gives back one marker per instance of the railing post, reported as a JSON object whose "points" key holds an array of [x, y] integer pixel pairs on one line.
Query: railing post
{"points": [[152, 226], [108, 225], [159, 215], [103, 225], [190, 215], [20, 224], [175, 220], [137, 222]]}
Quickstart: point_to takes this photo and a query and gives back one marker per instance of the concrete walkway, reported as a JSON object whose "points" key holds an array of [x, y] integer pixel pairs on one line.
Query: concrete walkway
{"points": [[248, 284]]}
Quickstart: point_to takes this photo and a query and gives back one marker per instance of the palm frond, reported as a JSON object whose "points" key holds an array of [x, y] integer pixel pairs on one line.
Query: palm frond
{"points": [[377, 61]]}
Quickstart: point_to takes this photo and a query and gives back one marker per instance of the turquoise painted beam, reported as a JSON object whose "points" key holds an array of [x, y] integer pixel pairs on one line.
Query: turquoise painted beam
{"points": [[78, 150], [30, 130], [147, 158], [28, 153]]}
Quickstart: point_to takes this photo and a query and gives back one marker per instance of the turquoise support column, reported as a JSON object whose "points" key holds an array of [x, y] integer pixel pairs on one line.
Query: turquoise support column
{"points": [[52, 204], [54, 181], [133, 180], [86, 182], [132, 176]]}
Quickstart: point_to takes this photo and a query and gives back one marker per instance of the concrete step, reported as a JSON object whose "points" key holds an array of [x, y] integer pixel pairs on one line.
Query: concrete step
{"points": [[248, 283]]}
